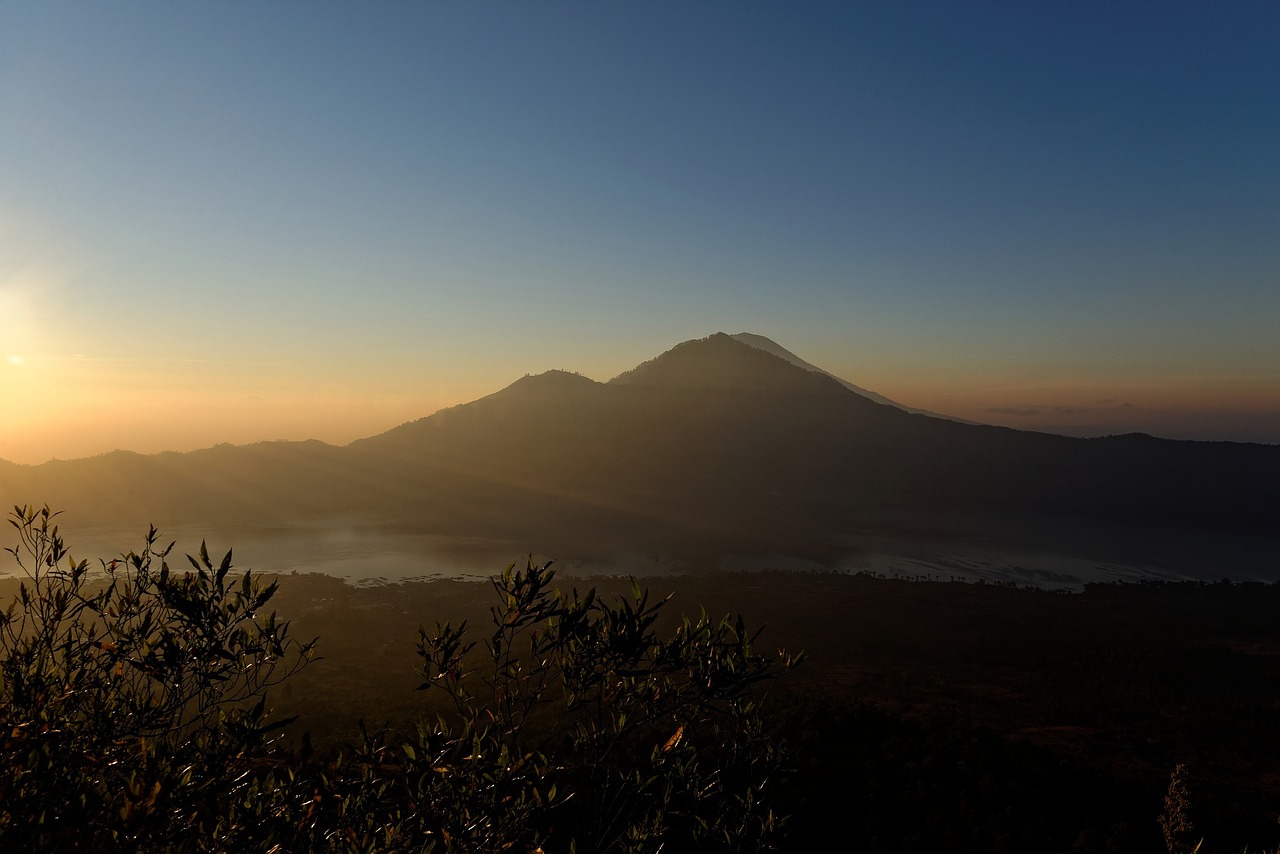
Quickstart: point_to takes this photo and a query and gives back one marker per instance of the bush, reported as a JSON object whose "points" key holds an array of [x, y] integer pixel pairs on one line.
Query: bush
{"points": [[133, 716], [132, 700], [574, 726]]}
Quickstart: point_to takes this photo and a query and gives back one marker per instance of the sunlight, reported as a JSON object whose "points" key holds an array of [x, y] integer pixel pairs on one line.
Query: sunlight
{"points": [[20, 296]]}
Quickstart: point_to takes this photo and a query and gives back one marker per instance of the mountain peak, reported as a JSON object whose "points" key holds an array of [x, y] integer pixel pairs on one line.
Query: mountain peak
{"points": [[769, 346], [721, 362], [553, 378], [549, 385]]}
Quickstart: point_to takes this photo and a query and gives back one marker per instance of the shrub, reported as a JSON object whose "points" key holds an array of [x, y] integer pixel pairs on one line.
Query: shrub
{"points": [[575, 726], [133, 717], [132, 699]]}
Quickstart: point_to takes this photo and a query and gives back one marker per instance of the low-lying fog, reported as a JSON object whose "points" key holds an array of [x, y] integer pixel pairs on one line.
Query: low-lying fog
{"points": [[363, 553]]}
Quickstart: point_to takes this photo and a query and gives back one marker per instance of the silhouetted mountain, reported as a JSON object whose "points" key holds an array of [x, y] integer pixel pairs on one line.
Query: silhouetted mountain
{"points": [[724, 431], [716, 444], [762, 343], [722, 363], [226, 483], [709, 414]]}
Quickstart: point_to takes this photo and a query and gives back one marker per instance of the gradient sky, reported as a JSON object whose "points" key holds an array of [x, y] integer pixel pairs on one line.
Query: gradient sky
{"points": [[238, 221]]}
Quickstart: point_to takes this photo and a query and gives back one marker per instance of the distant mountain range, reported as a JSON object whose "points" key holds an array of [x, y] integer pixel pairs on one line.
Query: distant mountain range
{"points": [[722, 442]]}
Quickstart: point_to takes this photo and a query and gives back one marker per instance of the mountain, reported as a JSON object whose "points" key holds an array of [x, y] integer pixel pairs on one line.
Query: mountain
{"points": [[721, 362], [762, 343], [721, 429], [720, 445], [708, 414]]}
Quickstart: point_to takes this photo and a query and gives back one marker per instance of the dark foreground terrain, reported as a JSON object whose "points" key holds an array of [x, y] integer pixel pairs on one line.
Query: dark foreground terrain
{"points": [[926, 716]]}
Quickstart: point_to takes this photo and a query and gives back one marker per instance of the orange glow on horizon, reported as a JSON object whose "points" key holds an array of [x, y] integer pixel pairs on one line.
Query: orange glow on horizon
{"points": [[68, 407]]}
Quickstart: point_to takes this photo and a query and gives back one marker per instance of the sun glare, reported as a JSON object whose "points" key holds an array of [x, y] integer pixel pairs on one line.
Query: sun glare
{"points": [[17, 361]]}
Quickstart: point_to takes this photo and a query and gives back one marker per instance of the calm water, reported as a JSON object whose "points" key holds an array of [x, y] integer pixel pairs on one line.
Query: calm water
{"points": [[367, 554]]}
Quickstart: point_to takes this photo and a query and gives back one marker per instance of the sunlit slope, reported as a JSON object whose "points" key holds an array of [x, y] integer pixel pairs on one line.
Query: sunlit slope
{"points": [[263, 484], [769, 346], [224, 482]]}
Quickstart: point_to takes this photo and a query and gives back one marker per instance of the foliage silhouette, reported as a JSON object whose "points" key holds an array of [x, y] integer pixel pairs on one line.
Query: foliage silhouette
{"points": [[574, 726], [132, 702], [133, 716]]}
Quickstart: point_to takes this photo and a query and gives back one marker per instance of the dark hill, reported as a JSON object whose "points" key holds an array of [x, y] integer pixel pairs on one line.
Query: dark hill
{"points": [[723, 363], [712, 414], [721, 431], [234, 484], [714, 446], [762, 343]]}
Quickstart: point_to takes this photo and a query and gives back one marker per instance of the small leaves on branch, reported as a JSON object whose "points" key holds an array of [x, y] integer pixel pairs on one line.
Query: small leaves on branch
{"points": [[134, 715]]}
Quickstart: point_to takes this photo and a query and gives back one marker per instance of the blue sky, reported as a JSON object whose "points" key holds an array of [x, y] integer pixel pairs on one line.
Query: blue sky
{"points": [[251, 221]]}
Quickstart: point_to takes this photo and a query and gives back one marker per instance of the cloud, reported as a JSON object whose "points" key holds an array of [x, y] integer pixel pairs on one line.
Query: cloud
{"points": [[1026, 411]]}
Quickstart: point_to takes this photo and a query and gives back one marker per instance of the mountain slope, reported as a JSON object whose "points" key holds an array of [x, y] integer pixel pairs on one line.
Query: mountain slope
{"points": [[719, 428], [715, 445], [762, 343], [723, 363], [712, 410]]}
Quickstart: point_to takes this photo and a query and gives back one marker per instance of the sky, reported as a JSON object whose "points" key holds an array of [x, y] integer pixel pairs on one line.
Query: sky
{"points": [[236, 222]]}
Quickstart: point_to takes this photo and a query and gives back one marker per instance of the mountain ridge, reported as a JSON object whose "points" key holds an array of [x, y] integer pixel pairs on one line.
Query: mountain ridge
{"points": [[760, 342], [713, 445], [720, 361], [564, 380]]}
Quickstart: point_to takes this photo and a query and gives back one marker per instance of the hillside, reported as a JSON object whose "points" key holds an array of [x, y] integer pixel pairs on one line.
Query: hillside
{"points": [[714, 447], [723, 425], [762, 343]]}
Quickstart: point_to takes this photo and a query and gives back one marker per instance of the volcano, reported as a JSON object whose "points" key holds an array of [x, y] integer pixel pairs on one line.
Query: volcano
{"points": [[725, 442]]}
